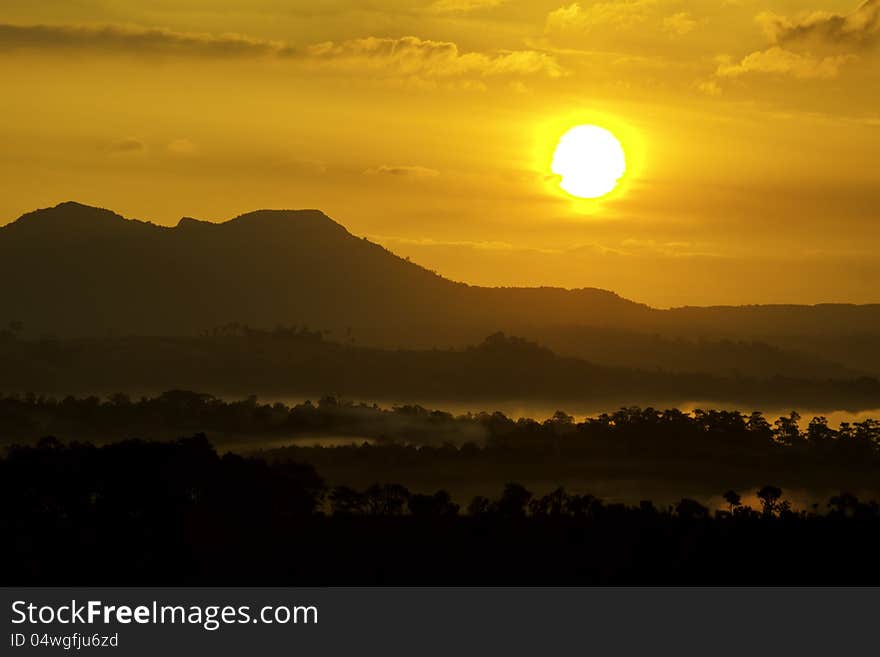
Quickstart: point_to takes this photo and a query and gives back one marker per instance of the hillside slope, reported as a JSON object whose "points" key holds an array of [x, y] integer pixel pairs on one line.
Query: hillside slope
{"points": [[76, 271]]}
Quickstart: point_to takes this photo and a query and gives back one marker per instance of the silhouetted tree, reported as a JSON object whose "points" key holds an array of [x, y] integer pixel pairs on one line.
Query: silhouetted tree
{"points": [[386, 499], [479, 506], [689, 509], [347, 501], [584, 506], [438, 505], [733, 500], [513, 501], [786, 429], [771, 501], [554, 504], [845, 504], [818, 431]]}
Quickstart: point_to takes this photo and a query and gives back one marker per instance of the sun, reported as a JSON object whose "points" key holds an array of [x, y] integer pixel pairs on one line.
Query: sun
{"points": [[589, 161]]}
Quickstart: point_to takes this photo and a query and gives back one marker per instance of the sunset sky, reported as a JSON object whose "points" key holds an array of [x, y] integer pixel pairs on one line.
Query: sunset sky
{"points": [[751, 129]]}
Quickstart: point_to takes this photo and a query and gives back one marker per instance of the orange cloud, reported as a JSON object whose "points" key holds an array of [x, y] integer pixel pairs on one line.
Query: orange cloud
{"points": [[858, 29], [409, 171], [409, 55], [785, 62]]}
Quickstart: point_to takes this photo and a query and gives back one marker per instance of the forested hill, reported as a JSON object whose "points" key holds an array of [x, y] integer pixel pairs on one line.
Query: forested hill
{"points": [[297, 362], [79, 271]]}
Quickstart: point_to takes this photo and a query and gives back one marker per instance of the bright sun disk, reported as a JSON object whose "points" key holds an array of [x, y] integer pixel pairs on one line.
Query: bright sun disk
{"points": [[589, 161]]}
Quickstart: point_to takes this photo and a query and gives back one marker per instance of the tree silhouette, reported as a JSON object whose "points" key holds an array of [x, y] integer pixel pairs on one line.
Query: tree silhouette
{"points": [[733, 500], [689, 509], [386, 499], [347, 501], [771, 501], [438, 505], [554, 504], [513, 501], [479, 506], [845, 504], [177, 511], [786, 429]]}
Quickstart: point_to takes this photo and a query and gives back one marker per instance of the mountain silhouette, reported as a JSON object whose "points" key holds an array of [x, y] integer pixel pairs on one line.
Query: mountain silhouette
{"points": [[74, 271], [87, 271]]}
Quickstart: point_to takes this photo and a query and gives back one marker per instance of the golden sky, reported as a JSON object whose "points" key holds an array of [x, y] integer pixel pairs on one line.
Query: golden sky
{"points": [[752, 131]]}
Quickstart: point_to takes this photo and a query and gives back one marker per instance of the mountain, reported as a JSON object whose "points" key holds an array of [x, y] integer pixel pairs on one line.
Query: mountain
{"points": [[86, 271], [75, 270]]}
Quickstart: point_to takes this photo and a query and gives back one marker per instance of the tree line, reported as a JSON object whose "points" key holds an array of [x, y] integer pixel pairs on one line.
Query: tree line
{"points": [[179, 411], [178, 512]]}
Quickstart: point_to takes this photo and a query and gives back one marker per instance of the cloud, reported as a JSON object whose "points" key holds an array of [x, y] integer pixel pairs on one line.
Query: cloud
{"points": [[779, 61], [858, 29], [469, 244], [414, 56], [463, 6], [183, 148], [709, 87], [649, 247], [627, 247], [679, 24], [127, 145], [813, 46], [622, 13], [137, 39], [407, 171], [313, 167], [408, 55]]}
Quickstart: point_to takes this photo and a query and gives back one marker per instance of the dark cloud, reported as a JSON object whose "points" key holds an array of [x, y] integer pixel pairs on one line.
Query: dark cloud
{"points": [[408, 55], [814, 46], [127, 145], [859, 29], [412, 171], [116, 37]]}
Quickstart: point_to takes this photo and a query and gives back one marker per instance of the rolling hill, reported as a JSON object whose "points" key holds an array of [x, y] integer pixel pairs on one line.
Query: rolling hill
{"points": [[77, 271]]}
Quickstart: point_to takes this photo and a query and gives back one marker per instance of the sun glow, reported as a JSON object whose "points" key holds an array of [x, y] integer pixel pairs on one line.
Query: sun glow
{"points": [[589, 161]]}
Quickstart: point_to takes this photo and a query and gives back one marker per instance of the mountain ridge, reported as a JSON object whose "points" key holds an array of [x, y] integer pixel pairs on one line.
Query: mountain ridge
{"points": [[249, 241], [82, 210], [82, 271]]}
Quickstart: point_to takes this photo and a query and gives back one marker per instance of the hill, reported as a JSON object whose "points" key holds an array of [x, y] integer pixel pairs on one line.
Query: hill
{"points": [[84, 271], [300, 364], [78, 271]]}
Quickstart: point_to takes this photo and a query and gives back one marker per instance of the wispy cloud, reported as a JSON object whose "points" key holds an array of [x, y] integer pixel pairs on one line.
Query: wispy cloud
{"points": [[679, 24], [127, 145], [408, 55], [619, 13], [785, 62], [138, 39], [709, 87], [413, 55], [183, 148], [431, 242], [857, 29], [463, 6], [812, 46], [627, 247], [409, 171]]}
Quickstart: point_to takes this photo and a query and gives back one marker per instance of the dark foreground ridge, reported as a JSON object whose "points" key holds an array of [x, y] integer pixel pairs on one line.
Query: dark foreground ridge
{"points": [[139, 513]]}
